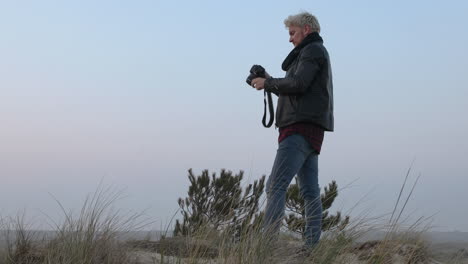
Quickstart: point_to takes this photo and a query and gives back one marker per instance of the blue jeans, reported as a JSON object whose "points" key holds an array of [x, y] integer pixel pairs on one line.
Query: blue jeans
{"points": [[294, 156]]}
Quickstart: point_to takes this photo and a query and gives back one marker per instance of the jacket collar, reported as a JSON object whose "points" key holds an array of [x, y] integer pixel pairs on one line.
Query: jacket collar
{"points": [[312, 37]]}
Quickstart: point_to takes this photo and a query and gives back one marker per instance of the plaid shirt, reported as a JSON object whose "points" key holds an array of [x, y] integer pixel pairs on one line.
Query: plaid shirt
{"points": [[311, 132]]}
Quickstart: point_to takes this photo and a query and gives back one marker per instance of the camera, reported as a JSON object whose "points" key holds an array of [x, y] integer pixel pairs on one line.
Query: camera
{"points": [[255, 72], [258, 71]]}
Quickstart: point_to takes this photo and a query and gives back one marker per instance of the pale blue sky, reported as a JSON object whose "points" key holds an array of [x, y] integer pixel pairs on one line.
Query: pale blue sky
{"points": [[137, 92]]}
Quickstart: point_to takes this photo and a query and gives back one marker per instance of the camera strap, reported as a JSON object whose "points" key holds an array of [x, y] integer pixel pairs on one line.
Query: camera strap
{"points": [[270, 108]]}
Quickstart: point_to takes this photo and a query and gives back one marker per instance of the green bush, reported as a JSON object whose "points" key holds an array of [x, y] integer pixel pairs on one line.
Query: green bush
{"points": [[220, 203]]}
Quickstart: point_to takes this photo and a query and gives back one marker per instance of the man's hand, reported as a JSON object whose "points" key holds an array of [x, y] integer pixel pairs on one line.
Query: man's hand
{"points": [[258, 83]]}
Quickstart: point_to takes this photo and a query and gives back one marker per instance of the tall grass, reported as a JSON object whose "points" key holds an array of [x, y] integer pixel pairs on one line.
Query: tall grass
{"points": [[334, 247], [91, 237], [402, 243]]}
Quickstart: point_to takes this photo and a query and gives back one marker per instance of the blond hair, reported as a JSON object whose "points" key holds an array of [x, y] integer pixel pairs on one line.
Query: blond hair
{"points": [[302, 19]]}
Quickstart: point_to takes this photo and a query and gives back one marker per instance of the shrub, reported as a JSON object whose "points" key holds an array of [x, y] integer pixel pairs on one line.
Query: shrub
{"points": [[220, 203]]}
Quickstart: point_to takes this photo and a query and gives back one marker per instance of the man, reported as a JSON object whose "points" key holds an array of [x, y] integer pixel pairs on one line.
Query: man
{"points": [[304, 112]]}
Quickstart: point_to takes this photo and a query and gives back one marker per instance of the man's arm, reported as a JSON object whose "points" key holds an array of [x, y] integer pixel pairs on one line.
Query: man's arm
{"points": [[309, 64], [259, 83], [274, 91]]}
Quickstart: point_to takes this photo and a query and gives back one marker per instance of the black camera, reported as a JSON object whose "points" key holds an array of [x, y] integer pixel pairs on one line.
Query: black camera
{"points": [[258, 71], [255, 72]]}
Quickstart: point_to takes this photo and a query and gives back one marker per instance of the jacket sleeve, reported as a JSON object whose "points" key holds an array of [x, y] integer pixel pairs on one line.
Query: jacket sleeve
{"points": [[271, 90], [309, 63]]}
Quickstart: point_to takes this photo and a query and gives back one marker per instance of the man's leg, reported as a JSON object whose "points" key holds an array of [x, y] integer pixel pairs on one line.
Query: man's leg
{"points": [[290, 157], [310, 192]]}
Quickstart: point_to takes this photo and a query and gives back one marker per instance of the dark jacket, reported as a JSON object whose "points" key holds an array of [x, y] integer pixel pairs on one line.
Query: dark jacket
{"points": [[306, 92]]}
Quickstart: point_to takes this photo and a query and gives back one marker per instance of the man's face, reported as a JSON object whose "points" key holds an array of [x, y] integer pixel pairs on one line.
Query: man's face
{"points": [[297, 34]]}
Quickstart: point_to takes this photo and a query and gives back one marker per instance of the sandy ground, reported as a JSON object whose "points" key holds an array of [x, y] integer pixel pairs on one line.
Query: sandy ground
{"points": [[142, 257], [444, 253], [448, 252]]}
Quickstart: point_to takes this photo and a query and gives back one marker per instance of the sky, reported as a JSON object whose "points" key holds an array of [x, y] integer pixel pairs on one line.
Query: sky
{"points": [[134, 93]]}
